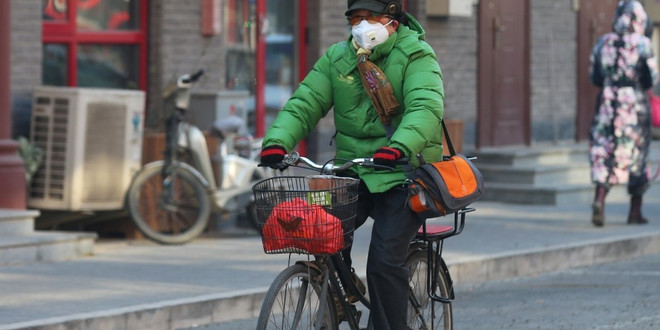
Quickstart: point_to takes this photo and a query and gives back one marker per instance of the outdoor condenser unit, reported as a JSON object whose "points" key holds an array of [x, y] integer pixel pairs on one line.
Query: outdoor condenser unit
{"points": [[92, 143]]}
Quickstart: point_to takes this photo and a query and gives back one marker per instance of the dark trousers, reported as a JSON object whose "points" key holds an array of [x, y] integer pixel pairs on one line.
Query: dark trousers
{"points": [[387, 274]]}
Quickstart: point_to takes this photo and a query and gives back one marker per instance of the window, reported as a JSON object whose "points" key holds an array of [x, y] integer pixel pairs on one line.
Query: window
{"points": [[94, 43]]}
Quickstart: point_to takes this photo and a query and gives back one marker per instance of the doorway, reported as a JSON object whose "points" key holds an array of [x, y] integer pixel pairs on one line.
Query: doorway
{"points": [[594, 19], [503, 87]]}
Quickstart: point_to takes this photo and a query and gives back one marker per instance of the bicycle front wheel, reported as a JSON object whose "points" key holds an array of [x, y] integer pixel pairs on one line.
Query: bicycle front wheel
{"points": [[168, 210], [424, 312], [294, 302]]}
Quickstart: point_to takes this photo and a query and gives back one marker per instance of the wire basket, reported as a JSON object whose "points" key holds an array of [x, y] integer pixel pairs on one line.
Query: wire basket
{"points": [[306, 214]]}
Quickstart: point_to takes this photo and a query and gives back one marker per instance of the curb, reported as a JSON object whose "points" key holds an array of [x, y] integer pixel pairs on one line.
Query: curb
{"points": [[214, 308], [533, 262]]}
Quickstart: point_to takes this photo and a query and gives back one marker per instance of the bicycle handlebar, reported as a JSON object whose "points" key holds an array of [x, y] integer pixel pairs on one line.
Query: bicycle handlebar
{"points": [[295, 159], [195, 76], [187, 79]]}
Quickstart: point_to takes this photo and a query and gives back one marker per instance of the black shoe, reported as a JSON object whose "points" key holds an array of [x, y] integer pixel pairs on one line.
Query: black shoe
{"points": [[598, 216], [637, 220]]}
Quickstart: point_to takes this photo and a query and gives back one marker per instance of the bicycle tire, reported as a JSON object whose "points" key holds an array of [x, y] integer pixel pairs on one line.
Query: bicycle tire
{"points": [[435, 315], [176, 221], [284, 293]]}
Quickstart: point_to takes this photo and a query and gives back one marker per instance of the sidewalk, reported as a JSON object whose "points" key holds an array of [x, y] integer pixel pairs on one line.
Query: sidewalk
{"points": [[141, 285]]}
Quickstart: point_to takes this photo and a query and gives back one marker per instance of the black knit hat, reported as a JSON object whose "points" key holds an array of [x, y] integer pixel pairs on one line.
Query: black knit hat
{"points": [[389, 7]]}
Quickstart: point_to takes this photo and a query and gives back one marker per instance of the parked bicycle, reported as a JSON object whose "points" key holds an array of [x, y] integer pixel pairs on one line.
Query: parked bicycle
{"points": [[315, 215], [171, 200]]}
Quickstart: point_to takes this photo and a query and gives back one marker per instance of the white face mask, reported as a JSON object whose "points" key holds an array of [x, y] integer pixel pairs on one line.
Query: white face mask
{"points": [[369, 35]]}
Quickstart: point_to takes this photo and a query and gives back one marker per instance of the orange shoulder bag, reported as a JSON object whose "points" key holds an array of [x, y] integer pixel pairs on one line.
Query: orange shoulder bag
{"points": [[446, 186]]}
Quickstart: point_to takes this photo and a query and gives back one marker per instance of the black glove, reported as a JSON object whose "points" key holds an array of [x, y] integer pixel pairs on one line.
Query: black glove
{"points": [[387, 156], [272, 156]]}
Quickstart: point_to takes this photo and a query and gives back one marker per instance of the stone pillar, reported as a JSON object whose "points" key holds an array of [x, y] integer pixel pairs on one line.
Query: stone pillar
{"points": [[12, 171]]}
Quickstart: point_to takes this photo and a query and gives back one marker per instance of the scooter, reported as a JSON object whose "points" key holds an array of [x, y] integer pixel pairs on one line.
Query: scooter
{"points": [[171, 200]]}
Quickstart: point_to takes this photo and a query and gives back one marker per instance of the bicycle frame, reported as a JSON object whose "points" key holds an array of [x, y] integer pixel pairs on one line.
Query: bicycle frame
{"points": [[342, 279]]}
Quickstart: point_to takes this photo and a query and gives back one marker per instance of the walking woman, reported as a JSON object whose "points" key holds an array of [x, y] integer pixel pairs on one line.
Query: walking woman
{"points": [[623, 66]]}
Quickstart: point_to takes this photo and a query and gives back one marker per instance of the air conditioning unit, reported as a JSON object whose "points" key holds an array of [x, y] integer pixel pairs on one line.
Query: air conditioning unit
{"points": [[92, 143]]}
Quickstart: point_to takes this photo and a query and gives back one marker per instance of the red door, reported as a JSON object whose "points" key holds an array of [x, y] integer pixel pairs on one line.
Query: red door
{"points": [[594, 19], [503, 104]]}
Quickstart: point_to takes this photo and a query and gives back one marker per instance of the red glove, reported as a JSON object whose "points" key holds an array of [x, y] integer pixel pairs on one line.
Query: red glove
{"points": [[272, 156], [387, 156]]}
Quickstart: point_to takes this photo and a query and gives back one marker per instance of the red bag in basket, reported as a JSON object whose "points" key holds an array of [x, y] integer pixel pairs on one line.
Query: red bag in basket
{"points": [[328, 233], [297, 224]]}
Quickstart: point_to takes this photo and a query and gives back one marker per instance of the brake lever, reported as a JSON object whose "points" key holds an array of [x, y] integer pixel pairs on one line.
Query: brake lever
{"points": [[291, 159]]}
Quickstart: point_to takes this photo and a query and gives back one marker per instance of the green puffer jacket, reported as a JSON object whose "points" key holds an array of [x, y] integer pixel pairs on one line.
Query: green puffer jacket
{"points": [[411, 67]]}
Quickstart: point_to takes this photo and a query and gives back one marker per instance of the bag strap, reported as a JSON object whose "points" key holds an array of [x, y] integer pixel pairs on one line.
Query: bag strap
{"points": [[389, 131], [452, 152]]}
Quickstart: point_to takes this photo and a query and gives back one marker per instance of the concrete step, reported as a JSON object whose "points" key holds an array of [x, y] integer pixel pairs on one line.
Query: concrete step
{"points": [[536, 194], [45, 247], [544, 175], [550, 194], [531, 156], [16, 222], [577, 173], [20, 244]]}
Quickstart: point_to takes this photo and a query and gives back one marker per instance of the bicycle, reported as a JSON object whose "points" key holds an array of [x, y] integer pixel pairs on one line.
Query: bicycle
{"points": [[170, 200], [314, 294]]}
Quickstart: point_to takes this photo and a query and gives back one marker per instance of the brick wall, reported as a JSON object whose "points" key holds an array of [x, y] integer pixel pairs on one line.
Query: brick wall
{"points": [[177, 47], [334, 24], [454, 40], [334, 29], [553, 70], [26, 53]]}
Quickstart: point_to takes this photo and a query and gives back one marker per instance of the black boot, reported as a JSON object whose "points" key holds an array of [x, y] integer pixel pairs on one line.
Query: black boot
{"points": [[635, 215], [598, 207]]}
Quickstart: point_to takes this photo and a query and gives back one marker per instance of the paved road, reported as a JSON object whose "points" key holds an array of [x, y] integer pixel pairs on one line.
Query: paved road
{"points": [[620, 295]]}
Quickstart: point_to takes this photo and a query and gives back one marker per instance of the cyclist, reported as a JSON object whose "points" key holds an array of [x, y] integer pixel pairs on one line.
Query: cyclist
{"points": [[403, 100]]}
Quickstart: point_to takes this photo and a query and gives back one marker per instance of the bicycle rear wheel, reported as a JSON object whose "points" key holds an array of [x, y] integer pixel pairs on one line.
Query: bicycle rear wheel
{"points": [[170, 210], [424, 312], [293, 301]]}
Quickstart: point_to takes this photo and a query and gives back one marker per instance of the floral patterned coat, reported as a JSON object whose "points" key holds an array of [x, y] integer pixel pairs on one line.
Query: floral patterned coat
{"points": [[622, 64]]}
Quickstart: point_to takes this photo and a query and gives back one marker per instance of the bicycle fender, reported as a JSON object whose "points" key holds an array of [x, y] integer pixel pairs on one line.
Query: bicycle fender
{"points": [[312, 265]]}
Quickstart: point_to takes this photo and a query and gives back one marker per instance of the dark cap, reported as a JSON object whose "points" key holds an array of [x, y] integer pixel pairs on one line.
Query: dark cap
{"points": [[389, 7]]}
